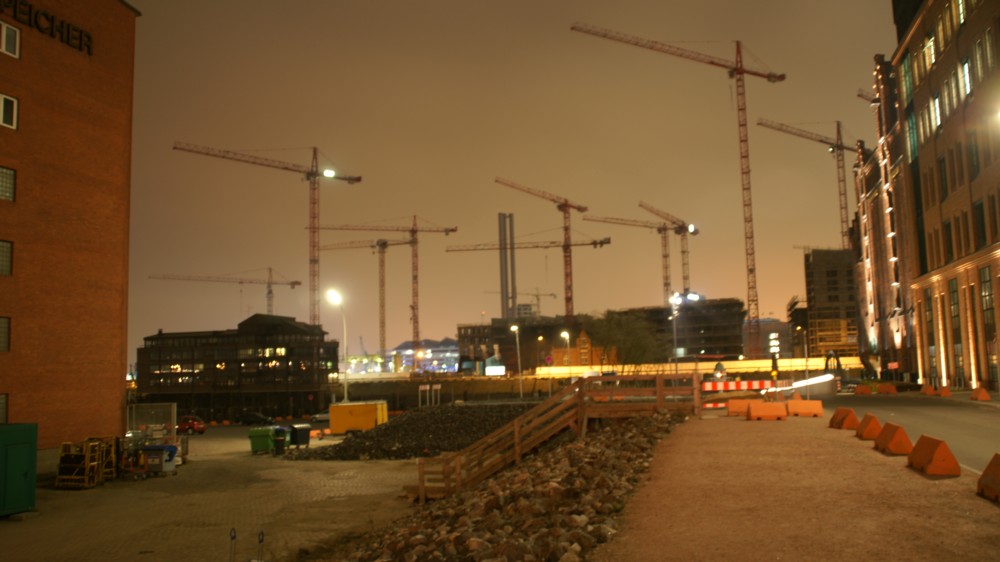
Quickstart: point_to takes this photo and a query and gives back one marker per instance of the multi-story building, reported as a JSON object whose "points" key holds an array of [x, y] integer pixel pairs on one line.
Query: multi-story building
{"points": [[831, 302], [66, 74], [268, 364], [939, 163]]}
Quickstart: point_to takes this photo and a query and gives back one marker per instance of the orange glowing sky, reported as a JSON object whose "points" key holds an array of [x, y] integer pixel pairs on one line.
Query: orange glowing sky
{"points": [[431, 100]]}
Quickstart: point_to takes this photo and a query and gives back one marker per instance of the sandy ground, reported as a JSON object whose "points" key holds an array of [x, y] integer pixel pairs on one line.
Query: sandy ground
{"points": [[726, 488]]}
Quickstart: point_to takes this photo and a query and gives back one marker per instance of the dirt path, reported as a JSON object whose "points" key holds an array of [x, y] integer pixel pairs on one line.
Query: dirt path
{"points": [[725, 488]]}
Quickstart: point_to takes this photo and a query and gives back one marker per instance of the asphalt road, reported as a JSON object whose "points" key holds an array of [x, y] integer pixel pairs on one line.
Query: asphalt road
{"points": [[970, 428]]}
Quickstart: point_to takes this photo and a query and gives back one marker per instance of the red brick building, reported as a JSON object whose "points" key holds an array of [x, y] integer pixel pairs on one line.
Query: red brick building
{"points": [[66, 73]]}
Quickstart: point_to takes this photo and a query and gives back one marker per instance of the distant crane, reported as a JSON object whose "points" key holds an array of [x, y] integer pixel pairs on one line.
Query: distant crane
{"points": [[312, 174], [379, 245], [737, 72], [663, 229], [413, 230], [538, 297], [565, 206], [241, 280], [835, 146]]}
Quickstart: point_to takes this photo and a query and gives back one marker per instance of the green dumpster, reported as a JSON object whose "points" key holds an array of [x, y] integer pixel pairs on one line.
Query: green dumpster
{"points": [[261, 439]]}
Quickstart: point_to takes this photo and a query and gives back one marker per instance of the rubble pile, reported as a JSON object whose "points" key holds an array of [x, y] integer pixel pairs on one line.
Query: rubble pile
{"points": [[557, 505], [419, 433]]}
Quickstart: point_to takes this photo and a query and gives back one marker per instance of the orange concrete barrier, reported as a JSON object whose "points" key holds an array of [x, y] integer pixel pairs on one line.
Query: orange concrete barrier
{"points": [[933, 457], [738, 406], [225, 422], [869, 428], [760, 410], [862, 389], [844, 418], [892, 440], [886, 388], [981, 394], [928, 390], [796, 395], [327, 431], [213, 423], [805, 408], [989, 483], [315, 434], [944, 392]]}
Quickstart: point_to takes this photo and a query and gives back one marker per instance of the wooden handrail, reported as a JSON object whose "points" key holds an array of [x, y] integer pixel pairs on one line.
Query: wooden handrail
{"points": [[590, 397]]}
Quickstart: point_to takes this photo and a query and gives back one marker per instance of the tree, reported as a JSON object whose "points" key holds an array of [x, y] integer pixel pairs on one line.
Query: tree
{"points": [[630, 333]]}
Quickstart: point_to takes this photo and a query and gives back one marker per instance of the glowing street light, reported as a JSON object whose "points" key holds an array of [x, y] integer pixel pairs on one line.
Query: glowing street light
{"points": [[520, 374], [334, 297], [565, 335], [805, 340]]}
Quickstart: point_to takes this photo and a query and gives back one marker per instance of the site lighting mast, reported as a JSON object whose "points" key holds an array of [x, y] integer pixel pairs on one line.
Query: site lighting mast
{"points": [[737, 72], [310, 173]]}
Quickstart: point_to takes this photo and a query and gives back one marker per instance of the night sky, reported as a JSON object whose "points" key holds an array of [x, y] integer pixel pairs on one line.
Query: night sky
{"points": [[431, 100]]}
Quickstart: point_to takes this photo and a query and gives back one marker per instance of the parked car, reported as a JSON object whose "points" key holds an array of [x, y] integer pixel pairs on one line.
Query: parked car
{"points": [[320, 417], [254, 418], [191, 425]]}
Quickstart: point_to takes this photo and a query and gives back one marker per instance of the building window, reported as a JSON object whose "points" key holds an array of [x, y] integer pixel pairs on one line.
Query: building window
{"points": [[10, 40], [966, 78], [973, 155], [960, 4], [6, 257], [989, 48], [8, 178], [929, 334], [8, 111], [4, 334], [956, 333], [942, 178], [936, 111], [949, 248]]}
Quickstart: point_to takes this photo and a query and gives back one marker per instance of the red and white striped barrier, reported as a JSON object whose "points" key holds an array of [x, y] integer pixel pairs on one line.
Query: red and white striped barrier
{"points": [[735, 385]]}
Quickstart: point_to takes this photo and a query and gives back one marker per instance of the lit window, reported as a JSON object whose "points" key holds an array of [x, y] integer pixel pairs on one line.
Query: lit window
{"points": [[8, 111], [8, 179], [961, 10], [966, 78], [6, 257], [4, 334], [989, 48], [10, 40], [936, 111], [929, 52]]}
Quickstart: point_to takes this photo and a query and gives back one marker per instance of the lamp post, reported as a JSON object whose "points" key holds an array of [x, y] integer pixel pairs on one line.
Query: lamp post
{"points": [[805, 341], [565, 335], [676, 300], [336, 299], [520, 374]]}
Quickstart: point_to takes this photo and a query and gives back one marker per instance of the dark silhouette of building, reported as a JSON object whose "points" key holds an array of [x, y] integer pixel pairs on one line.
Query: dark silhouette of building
{"points": [[269, 364]]}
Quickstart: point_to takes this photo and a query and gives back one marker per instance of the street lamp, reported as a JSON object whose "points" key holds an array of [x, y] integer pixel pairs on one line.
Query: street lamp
{"points": [[520, 374], [336, 299], [565, 335], [805, 340], [676, 300]]}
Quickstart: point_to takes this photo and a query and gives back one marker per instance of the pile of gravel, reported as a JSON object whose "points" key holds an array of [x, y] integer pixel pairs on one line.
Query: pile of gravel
{"points": [[557, 505], [419, 433]]}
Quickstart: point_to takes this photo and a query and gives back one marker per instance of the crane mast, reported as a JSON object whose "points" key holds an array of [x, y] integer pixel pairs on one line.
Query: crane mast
{"points": [[311, 174], [836, 146], [565, 206], [412, 230], [736, 71], [270, 282], [380, 246], [682, 229]]}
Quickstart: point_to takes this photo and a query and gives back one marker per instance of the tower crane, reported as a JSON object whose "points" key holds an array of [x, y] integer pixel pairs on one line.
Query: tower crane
{"points": [[835, 146], [380, 245], [737, 72], [663, 229], [412, 230], [682, 229], [241, 280], [310, 173], [565, 206]]}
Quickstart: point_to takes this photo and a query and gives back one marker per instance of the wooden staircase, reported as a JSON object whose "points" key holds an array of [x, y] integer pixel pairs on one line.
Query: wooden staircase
{"points": [[570, 408]]}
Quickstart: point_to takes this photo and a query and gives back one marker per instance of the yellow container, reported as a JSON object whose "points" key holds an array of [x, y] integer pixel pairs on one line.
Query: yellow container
{"points": [[357, 416]]}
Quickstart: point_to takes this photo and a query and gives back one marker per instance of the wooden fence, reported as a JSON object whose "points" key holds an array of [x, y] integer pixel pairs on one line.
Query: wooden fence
{"points": [[570, 408]]}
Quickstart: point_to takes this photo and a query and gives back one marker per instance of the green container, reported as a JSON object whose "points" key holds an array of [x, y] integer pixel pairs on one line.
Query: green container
{"points": [[18, 454], [261, 439]]}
